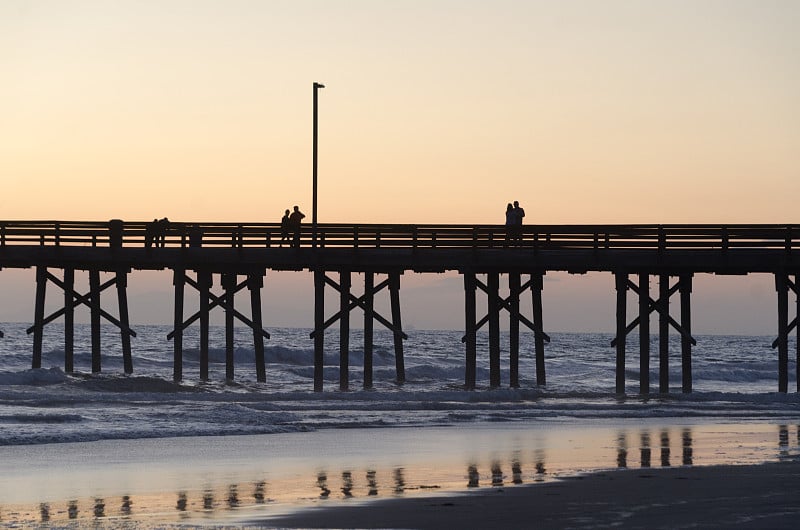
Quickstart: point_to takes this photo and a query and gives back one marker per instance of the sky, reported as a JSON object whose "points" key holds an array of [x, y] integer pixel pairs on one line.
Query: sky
{"points": [[433, 111]]}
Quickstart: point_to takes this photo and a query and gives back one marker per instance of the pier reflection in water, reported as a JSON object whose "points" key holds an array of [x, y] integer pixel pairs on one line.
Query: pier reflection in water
{"points": [[518, 462]]}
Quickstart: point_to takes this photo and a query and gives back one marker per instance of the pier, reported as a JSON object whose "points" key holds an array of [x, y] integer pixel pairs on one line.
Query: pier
{"points": [[240, 255]]}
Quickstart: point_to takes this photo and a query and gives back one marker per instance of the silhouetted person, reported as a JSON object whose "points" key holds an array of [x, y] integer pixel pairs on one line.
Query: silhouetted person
{"points": [[294, 219], [510, 223], [519, 213], [161, 232], [286, 225], [150, 233]]}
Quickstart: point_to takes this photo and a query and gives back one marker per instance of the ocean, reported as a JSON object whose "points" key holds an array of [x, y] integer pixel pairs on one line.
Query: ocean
{"points": [[159, 447]]}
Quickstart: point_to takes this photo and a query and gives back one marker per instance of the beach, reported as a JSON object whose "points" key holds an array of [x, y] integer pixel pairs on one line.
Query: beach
{"points": [[141, 451], [557, 474], [751, 496]]}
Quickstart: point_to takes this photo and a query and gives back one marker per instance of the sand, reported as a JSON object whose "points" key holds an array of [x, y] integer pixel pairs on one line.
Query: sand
{"points": [[479, 475], [753, 496]]}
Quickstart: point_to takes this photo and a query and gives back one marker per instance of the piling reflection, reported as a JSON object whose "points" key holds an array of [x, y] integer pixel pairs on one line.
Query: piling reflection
{"points": [[127, 506], [259, 493], [665, 451], [372, 483], [622, 450], [72, 509], [44, 512], [516, 471], [399, 480], [347, 484], [645, 448], [233, 496], [687, 455], [322, 484], [208, 500], [539, 460], [473, 477], [497, 474], [183, 501], [99, 508]]}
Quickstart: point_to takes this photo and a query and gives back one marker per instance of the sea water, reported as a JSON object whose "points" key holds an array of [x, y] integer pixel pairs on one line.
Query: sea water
{"points": [[145, 440]]}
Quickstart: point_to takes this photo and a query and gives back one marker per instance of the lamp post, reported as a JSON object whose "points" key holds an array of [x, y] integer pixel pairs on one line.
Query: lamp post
{"points": [[317, 86]]}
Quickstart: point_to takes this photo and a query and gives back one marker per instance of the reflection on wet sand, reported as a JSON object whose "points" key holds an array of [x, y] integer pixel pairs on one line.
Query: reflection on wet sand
{"points": [[322, 484], [259, 492], [665, 452], [686, 437], [399, 480], [645, 449], [534, 464], [372, 483], [497, 474], [473, 476], [233, 496]]}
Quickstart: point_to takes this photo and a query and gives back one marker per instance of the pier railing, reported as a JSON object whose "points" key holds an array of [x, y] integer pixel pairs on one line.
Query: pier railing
{"points": [[405, 236]]}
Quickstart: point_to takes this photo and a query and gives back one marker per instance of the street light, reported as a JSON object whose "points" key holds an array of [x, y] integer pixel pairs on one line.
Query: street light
{"points": [[317, 86]]}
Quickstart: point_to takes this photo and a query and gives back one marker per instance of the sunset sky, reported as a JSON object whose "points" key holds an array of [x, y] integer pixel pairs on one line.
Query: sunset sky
{"points": [[434, 111]]}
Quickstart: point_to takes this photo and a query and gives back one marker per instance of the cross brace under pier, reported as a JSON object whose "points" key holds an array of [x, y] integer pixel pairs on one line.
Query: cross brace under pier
{"points": [[348, 302], [495, 304], [254, 282], [646, 306], [72, 299]]}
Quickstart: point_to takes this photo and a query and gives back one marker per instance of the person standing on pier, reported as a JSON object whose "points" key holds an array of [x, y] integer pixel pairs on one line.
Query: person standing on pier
{"points": [[510, 223], [519, 213], [285, 226], [295, 219]]}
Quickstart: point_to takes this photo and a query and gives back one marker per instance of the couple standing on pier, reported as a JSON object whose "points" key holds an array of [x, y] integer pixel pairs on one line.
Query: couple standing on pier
{"points": [[290, 222], [514, 215]]}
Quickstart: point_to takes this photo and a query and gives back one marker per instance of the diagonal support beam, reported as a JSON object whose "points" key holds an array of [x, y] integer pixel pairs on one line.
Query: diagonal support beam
{"points": [[660, 306], [505, 303], [220, 301], [359, 301], [84, 299]]}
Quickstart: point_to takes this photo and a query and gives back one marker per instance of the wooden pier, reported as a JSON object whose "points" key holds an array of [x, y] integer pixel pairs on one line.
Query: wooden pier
{"points": [[240, 255]]}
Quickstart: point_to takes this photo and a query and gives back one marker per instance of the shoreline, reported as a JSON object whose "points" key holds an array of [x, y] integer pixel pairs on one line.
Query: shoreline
{"points": [[474, 475], [718, 496]]}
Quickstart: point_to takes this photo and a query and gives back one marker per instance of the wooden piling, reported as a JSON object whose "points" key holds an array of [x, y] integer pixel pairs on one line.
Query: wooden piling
{"points": [[94, 289], [797, 329], [369, 315], [125, 336], [204, 281], [38, 316], [397, 324], [69, 320], [537, 284], [344, 330], [255, 282], [622, 288], [493, 286], [644, 333], [513, 329], [229, 285], [319, 328], [663, 334], [470, 316], [686, 339], [179, 281], [782, 287]]}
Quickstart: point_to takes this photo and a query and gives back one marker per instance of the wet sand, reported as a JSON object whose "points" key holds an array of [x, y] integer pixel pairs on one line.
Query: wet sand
{"points": [[753, 496], [473, 476]]}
